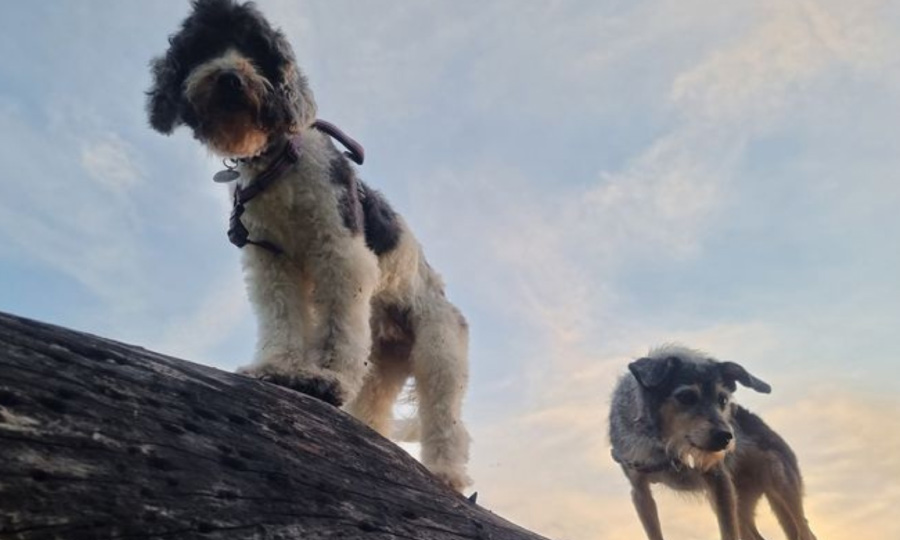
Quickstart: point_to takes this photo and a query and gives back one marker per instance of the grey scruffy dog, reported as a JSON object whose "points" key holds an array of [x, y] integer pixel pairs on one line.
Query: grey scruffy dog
{"points": [[672, 421]]}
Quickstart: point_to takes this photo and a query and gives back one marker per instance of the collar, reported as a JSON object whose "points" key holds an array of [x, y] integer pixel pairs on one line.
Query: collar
{"points": [[288, 155], [237, 232]]}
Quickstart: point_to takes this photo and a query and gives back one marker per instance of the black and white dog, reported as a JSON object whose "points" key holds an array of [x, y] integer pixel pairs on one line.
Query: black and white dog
{"points": [[348, 309]]}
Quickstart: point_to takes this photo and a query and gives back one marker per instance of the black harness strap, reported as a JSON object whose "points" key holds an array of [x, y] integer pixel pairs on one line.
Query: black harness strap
{"points": [[237, 232]]}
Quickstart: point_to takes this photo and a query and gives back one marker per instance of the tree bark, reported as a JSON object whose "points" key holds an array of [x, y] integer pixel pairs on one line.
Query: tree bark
{"points": [[99, 439]]}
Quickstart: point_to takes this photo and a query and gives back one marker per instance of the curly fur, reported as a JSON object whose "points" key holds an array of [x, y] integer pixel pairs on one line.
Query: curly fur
{"points": [[351, 309]]}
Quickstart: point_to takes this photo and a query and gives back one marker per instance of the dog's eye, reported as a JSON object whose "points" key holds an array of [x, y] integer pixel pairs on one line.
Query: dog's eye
{"points": [[687, 397], [722, 400]]}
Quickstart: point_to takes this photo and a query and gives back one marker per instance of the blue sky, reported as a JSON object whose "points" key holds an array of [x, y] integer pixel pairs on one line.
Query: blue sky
{"points": [[591, 178]]}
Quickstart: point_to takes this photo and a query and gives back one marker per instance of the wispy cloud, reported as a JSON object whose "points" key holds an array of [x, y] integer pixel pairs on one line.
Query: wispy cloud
{"points": [[109, 161], [551, 255], [68, 217]]}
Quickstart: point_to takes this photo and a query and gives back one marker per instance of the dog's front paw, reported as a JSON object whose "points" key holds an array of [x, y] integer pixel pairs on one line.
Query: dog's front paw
{"points": [[453, 476], [317, 385]]}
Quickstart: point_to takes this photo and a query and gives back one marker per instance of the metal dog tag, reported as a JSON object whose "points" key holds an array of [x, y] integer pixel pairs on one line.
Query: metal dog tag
{"points": [[228, 175]]}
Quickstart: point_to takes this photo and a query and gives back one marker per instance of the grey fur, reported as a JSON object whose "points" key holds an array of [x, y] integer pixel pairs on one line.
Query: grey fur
{"points": [[655, 438]]}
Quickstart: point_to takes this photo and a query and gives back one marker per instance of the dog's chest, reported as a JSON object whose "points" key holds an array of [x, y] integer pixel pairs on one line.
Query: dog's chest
{"points": [[680, 479], [297, 212]]}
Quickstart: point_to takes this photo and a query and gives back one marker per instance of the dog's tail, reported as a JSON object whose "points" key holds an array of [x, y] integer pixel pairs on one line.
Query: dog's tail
{"points": [[407, 428]]}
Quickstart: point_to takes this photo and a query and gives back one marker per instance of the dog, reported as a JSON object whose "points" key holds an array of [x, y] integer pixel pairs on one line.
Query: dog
{"points": [[672, 421], [348, 309]]}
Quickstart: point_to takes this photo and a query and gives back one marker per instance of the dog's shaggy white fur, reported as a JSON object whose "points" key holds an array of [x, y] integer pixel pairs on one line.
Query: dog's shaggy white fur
{"points": [[349, 309], [329, 308]]}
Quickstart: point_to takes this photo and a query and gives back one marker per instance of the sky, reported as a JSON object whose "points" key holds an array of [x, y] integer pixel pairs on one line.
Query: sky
{"points": [[590, 177]]}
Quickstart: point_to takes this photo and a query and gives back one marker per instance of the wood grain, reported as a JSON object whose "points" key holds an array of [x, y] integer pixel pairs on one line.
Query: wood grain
{"points": [[102, 440]]}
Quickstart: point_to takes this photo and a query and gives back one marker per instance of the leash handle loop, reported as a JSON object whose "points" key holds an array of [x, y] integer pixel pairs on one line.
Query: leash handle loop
{"points": [[354, 151]]}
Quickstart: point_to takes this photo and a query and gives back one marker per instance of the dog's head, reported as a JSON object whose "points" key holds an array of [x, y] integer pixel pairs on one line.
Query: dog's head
{"points": [[689, 394], [232, 78]]}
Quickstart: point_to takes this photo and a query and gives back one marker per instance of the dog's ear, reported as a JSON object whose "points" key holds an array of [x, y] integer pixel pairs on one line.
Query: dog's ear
{"points": [[300, 106], [732, 372], [651, 373], [294, 95], [163, 96]]}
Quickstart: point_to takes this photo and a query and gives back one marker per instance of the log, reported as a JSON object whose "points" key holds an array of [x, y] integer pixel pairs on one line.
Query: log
{"points": [[99, 439]]}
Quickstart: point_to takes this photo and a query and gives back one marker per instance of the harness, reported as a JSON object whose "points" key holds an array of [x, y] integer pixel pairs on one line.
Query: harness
{"points": [[290, 153]]}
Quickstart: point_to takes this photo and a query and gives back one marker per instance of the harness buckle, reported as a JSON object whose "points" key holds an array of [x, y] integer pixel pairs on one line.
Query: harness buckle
{"points": [[237, 232]]}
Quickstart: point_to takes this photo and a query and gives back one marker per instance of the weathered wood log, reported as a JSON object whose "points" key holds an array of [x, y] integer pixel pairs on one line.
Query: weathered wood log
{"points": [[99, 439]]}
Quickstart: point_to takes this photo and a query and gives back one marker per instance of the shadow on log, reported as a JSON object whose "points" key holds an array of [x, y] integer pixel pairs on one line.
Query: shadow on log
{"points": [[104, 440]]}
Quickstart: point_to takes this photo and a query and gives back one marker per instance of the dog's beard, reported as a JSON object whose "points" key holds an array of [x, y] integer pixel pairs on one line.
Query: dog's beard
{"points": [[695, 457], [235, 134], [229, 125]]}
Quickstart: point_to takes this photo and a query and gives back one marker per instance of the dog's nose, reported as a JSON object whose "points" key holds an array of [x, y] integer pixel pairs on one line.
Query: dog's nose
{"points": [[720, 439], [230, 80]]}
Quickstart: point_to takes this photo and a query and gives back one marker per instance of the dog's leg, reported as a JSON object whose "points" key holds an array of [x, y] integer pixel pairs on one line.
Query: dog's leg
{"points": [[344, 274], [785, 494], [276, 291], [374, 404], [723, 497], [747, 515], [642, 498], [441, 372], [788, 508]]}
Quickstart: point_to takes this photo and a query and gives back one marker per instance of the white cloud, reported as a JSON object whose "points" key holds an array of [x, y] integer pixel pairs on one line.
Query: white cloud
{"points": [[797, 42], [109, 161], [51, 214]]}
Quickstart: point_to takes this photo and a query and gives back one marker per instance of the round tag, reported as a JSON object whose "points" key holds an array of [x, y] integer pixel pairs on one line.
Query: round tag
{"points": [[228, 175]]}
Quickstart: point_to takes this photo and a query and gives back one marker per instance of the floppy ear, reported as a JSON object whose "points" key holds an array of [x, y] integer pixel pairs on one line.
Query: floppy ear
{"points": [[163, 96], [652, 373], [732, 372], [294, 94]]}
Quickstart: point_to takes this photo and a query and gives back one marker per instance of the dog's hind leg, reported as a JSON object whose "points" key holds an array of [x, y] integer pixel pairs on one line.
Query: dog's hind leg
{"points": [[374, 405], [642, 498], [788, 508], [785, 495], [747, 515], [441, 372]]}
